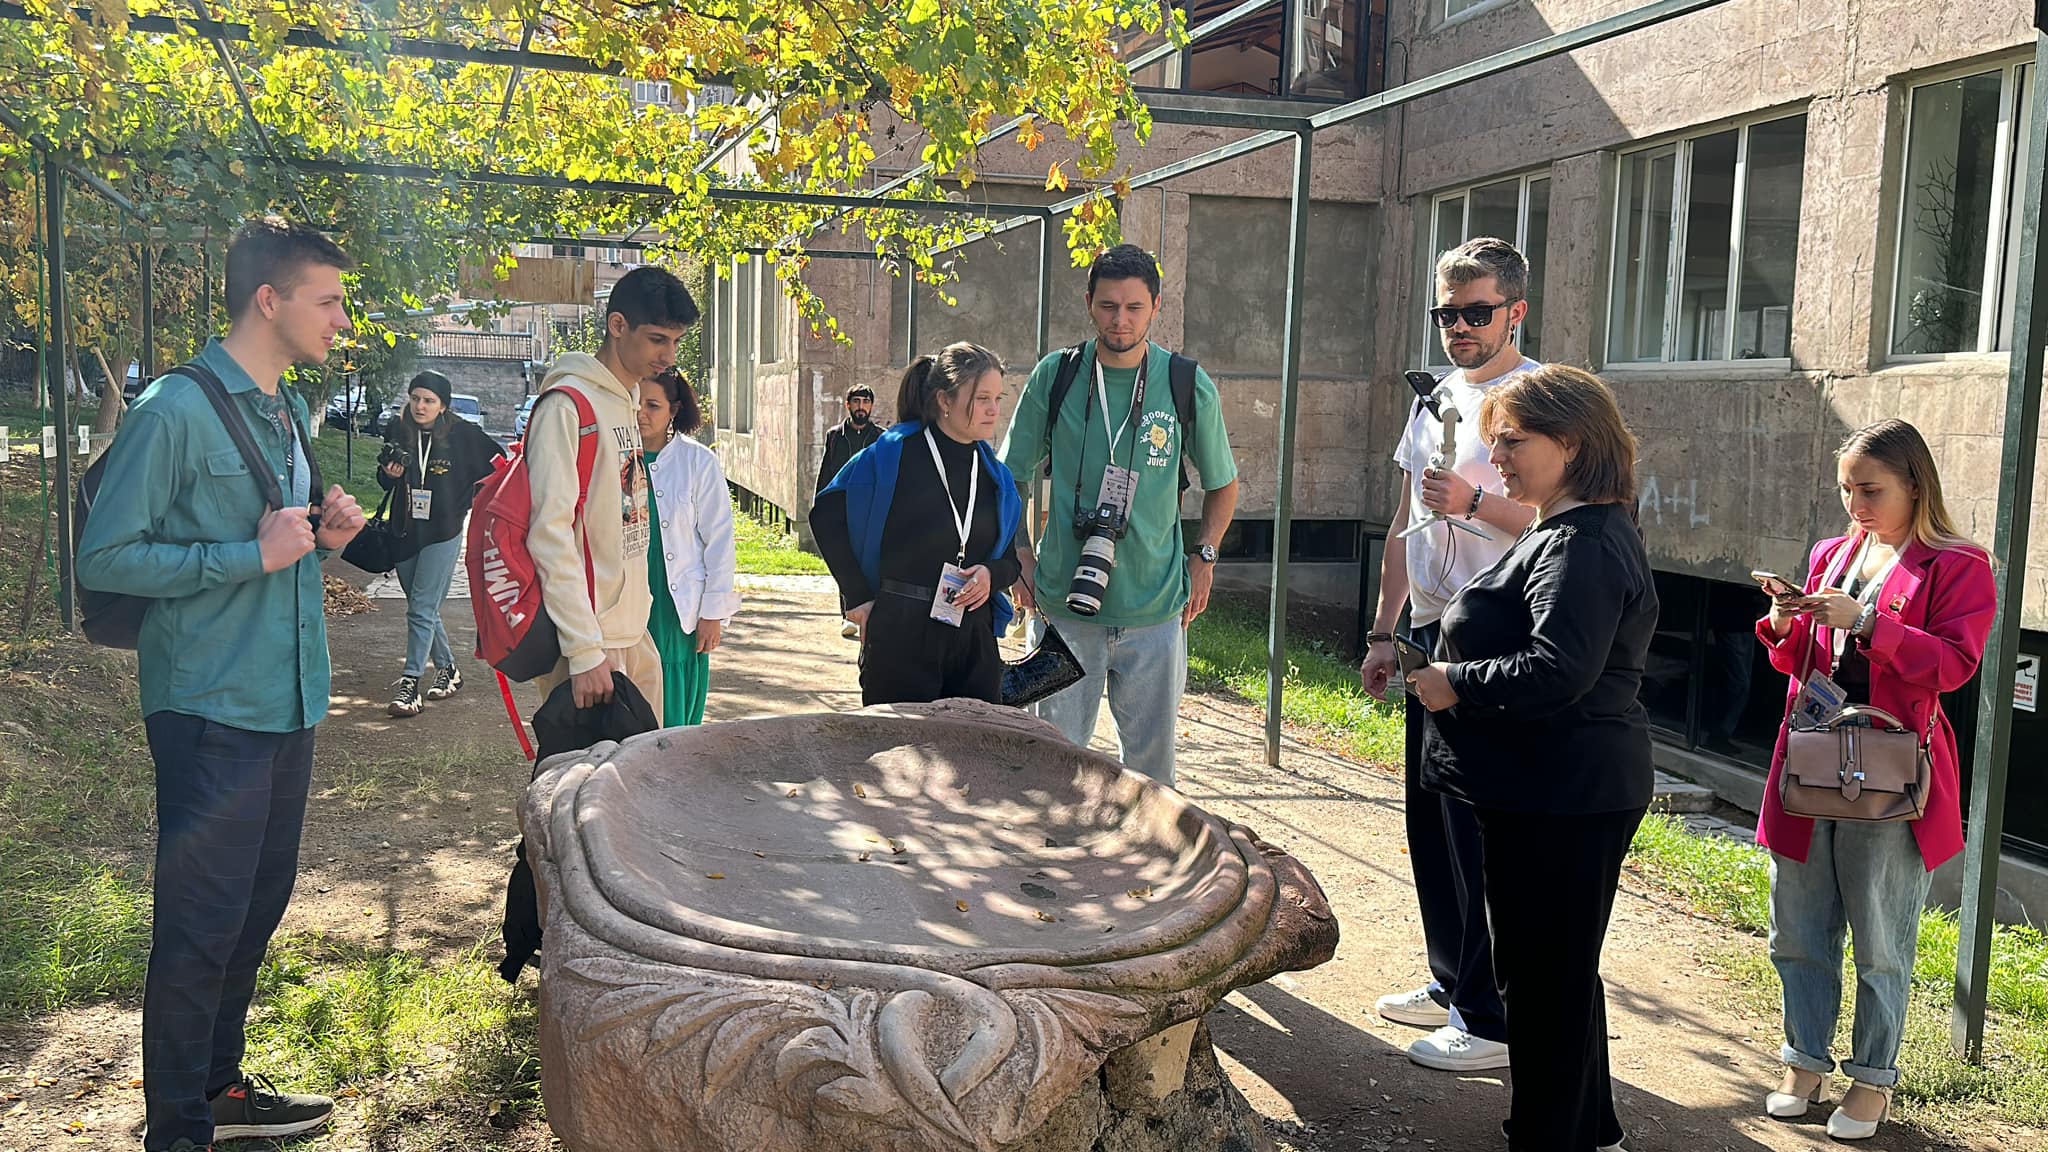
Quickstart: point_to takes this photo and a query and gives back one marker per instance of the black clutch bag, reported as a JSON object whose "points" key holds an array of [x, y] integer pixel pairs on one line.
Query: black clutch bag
{"points": [[383, 542], [1046, 669]]}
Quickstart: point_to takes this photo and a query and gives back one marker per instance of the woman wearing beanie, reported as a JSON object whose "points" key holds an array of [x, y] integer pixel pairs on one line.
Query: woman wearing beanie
{"points": [[691, 566], [435, 459]]}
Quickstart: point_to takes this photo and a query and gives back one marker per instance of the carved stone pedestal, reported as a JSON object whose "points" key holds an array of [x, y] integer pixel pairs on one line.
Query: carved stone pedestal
{"points": [[920, 929]]}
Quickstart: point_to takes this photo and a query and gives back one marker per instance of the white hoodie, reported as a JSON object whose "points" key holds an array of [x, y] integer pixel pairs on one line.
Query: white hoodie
{"points": [[610, 610]]}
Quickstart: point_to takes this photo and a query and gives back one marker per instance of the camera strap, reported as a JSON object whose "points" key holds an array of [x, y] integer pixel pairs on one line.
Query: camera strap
{"points": [[962, 520]]}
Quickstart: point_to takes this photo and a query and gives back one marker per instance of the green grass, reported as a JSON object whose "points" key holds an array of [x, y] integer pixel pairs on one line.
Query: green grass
{"points": [[768, 551], [331, 449], [1730, 882], [1227, 653]]}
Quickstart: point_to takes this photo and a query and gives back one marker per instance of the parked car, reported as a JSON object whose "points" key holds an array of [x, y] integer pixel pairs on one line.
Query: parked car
{"points": [[391, 412], [467, 407], [342, 404], [525, 414]]}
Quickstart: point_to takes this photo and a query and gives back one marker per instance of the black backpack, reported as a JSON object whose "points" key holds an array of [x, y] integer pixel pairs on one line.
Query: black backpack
{"points": [[1180, 373], [114, 619]]}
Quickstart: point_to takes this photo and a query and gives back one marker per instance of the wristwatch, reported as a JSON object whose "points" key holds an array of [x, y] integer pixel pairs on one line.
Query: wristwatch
{"points": [[1863, 621], [1207, 552], [1379, 638]]}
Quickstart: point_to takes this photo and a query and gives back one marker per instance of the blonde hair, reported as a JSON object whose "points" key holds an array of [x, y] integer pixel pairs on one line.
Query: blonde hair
{"points": [[1900, 448]]}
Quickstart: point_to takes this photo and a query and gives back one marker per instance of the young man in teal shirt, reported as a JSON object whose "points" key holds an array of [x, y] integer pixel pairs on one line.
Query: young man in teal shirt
{"points": [[233, 663], [1112, 441]]}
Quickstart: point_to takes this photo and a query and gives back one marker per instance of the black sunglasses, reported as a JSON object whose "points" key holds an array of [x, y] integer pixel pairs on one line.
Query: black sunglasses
{"points": [[1474, 315]]}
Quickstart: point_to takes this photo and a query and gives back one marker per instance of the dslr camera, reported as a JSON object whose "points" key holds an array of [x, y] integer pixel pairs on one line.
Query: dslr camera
{"points": [[1098, 529], [394, 453]]}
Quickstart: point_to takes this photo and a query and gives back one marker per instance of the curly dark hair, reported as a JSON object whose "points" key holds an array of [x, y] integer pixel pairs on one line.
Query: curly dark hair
{"points": [[682, 398]]}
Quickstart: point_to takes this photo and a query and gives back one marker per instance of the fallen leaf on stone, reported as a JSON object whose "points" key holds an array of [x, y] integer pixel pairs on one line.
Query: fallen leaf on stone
{"points": [[18, 1109], [895, 845], [1140, 893], [960, 904], [792, 793], [1046, 918], [860, 791], [863, 857], [1109, 927], [714, 875]]}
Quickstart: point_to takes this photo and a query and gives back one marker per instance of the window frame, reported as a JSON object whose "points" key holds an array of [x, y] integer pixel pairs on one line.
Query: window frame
{"points": [[1448, 17], [1680, 148], [1432, 347], [2001, 257]]}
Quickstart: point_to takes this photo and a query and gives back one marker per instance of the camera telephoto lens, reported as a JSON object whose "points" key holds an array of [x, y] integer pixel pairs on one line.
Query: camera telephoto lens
{"points": [[1091, 573]]}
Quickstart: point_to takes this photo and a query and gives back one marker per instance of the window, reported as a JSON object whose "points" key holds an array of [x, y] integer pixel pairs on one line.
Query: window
{"points": [[1313, 49], [1958, 258], [652, 92], [744, 289], [722, 366], [771, 316], [1516, 209], [1460, 7], [1706, 239]]}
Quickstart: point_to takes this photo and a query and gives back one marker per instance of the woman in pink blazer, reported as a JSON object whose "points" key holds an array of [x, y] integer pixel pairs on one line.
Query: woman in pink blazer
{"points": [[1897, 612]]}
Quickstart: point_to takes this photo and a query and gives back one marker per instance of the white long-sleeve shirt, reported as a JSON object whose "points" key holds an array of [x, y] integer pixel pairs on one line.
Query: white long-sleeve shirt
{"points": [[694, 508]]}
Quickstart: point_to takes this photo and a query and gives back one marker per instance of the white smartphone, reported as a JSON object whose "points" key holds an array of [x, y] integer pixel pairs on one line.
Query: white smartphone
{"points": [[1776, 586]]}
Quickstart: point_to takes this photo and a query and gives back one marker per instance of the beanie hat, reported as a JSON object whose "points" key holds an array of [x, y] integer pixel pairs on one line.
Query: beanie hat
{"points": [[433, 382]]}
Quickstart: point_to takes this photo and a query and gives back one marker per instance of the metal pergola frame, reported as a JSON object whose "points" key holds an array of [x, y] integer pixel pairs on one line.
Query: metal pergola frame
{"points": [[1274, 123]]}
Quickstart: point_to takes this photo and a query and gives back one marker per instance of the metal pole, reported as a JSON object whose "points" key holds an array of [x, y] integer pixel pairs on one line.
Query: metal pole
{"points": [[1290, 388], [1044, 288], [1985, 829], [55, 375], [205, 293], [148, 372]]}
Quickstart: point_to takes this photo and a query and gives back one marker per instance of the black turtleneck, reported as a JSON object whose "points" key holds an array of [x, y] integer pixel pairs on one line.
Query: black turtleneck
{"points": [[921, 535]]}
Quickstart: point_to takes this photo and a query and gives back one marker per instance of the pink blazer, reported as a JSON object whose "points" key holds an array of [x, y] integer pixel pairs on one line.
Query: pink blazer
{"points": [[1933, 619]]}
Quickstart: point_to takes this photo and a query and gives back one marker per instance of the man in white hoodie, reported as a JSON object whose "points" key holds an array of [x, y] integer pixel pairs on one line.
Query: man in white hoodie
{"points": [[593, 568]]}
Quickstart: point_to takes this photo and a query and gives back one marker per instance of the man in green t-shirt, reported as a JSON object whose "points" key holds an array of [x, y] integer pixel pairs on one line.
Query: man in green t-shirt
{"points": [[1118, 440]]}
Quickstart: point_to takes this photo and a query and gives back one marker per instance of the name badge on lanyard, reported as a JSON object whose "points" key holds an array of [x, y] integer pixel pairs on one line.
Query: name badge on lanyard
{"points": [[946, 607], [422, 496]]}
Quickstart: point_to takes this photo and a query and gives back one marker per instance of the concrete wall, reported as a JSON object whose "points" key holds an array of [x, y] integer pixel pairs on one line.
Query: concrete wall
{"points": [[499, 385]]}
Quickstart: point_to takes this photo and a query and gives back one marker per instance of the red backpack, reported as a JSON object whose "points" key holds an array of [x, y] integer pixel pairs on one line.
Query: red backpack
{"points": [[514, 632]]}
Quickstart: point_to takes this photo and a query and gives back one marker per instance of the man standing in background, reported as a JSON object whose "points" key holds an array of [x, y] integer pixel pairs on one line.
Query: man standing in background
{"points": [[845, 440]]}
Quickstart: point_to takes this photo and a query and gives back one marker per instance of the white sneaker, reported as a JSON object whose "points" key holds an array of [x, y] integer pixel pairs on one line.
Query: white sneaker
{"points": [[849, 631], [1417, 1008], [1456, 1050]]}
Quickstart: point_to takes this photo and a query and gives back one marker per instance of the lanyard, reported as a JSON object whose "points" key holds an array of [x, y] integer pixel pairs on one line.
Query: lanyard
{"points": [[961, 520], [1137, 402], [1866, 595], [425, 438]]}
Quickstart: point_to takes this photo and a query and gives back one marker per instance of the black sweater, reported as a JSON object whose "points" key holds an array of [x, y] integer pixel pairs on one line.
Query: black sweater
{"points": [[453, 467], [1546, 652], [921, 536]]}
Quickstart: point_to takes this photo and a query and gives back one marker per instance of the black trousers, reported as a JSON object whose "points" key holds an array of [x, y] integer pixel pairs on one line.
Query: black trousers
{"points": [[1550, 884], [910, 658], [1450, 888], [230, 807]]}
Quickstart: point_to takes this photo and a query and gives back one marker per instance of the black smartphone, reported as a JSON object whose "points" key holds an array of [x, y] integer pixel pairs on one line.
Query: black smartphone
{"points": [[1411, 656], [1776, 586], [1424, 384]]}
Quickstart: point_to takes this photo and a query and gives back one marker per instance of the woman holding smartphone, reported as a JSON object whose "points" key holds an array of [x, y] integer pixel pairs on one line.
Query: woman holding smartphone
{"points": [[1896, 612], [1534, 720]]}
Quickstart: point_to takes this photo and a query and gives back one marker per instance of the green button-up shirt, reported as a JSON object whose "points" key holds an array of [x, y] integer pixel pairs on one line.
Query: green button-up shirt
{"points": [[176, 521]]}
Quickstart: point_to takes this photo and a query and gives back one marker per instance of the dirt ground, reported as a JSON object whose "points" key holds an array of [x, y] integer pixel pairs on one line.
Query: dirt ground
{"points": [[408, 858]]}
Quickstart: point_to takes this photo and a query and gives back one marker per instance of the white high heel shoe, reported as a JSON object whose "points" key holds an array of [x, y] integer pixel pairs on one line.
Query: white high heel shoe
{"points": [[1788, 1102], [1843, 1126]]}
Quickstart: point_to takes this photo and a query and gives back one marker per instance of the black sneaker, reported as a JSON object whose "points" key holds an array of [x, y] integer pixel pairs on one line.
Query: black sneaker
{"points": [[255, 1108], [446, 683], [406, 701]]}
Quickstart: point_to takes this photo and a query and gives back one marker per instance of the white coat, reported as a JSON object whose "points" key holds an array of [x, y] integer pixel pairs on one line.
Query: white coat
{"points": [[698, 552]]}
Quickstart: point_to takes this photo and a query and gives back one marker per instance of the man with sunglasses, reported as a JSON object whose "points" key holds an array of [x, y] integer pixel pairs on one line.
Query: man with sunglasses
{"points": [[1481, 292]]}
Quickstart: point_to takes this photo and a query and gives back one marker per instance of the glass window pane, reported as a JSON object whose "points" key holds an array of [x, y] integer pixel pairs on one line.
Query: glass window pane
{"points": [[1449, 232], [1642, 257], [743, 354], [1709, 219], [725, 367], [1454, 7], [1950, 153], [2016, 188], [771, 323], [1770, 238], [1536, 246], [1243, 59], [1496, 210], [1323, 58]]}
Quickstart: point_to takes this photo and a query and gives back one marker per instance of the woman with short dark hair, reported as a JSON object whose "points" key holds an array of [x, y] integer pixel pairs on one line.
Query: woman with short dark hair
{"points": [[691, 567], [434, 460], [917, 530], [1534, 720]]}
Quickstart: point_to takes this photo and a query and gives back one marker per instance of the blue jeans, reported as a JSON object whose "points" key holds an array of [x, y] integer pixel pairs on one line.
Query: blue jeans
{"points": [[1143, 670], [425, 576], [230, 807], [1865, 879]]}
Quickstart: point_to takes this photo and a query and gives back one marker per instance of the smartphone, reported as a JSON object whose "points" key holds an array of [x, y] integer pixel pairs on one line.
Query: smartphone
{"points": [[1776, 586], [1411, 656], [1424, 385]]}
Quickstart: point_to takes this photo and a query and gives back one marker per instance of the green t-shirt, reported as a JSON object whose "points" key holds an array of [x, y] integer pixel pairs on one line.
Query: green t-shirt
{"points": [[1149, 584]]}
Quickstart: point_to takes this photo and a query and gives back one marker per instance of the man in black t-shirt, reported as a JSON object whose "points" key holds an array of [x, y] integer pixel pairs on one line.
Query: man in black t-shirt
{"points": [[847, 438]]}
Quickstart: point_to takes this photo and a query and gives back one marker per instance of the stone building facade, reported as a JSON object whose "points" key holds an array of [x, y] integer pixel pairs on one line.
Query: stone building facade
{"points": [[1765, 224]]}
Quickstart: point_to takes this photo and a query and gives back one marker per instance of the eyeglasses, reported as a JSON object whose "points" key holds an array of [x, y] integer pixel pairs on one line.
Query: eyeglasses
{"points": [[1474, 315]]}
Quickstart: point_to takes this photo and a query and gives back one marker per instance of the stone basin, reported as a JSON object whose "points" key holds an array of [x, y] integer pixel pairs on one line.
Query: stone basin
{"points": [[902, 929]]}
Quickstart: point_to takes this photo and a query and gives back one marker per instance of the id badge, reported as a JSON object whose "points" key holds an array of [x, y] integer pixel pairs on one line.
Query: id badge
{"points": [[1118, 486], [1819, 699], [422, 503], [946, 599]]}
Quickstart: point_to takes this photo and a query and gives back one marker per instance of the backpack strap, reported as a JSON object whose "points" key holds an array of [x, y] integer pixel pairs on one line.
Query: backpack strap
{"points": [[586, 471], [1062, 383], [238, 430], [1180, 372]]}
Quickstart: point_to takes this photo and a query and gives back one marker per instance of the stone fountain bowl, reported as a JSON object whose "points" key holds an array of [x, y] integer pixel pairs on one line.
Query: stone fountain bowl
{"points": [[903, 929]]}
